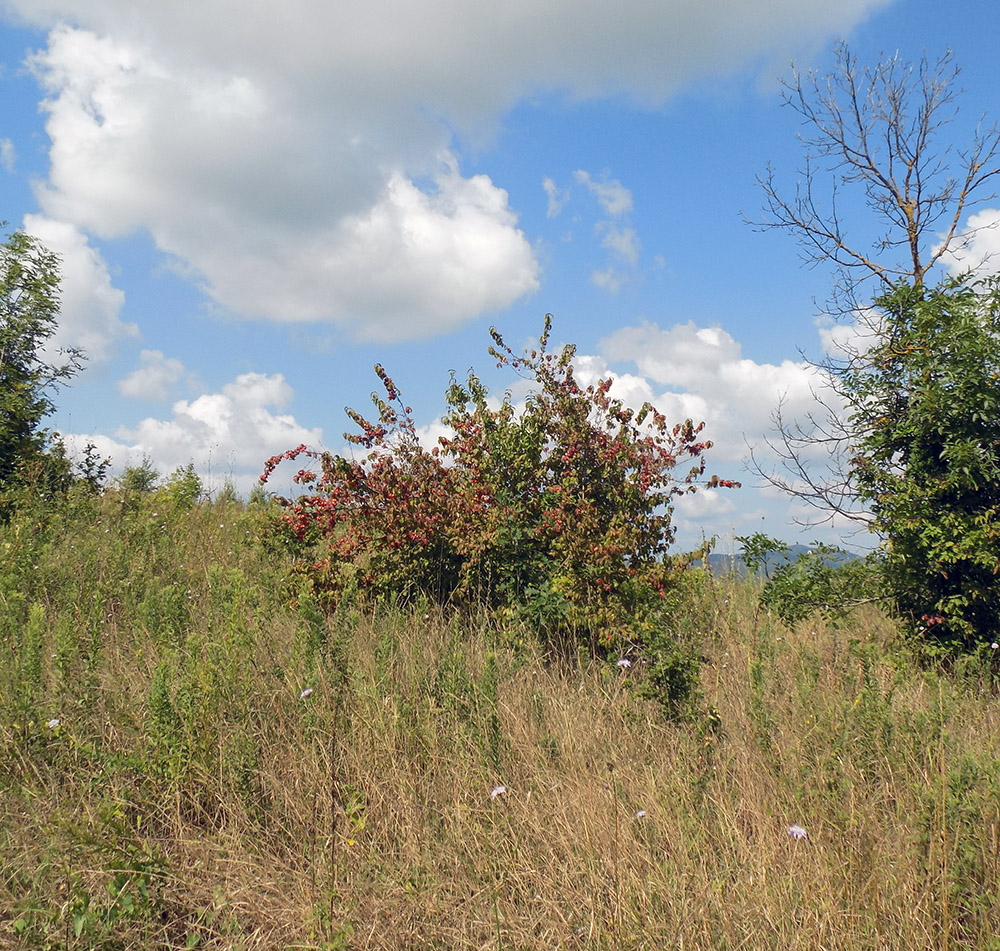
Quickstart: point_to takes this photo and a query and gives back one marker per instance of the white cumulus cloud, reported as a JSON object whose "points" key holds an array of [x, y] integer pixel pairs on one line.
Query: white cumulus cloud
{"points": [[295, 159], [226, 435], [977, 247], [89, 303], [154, 379], [280, 214], [700, 373]]}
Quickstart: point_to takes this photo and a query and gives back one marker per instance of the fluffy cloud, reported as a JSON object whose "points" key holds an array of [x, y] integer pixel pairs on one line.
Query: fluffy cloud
{"points": [[90, 305], [844, 339], [977, 248], [227, 435], [295, 159], [709, 379], [185, 155], [155, 378], [700, 373], [614, 198]]}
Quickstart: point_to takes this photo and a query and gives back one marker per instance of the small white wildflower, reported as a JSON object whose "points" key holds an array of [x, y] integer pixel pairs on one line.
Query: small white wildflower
{"points": [[497, 791], [623, 662], [306, 693], [427, 617], [53, 723], [994, 646], [641, 814], [797, 832]]}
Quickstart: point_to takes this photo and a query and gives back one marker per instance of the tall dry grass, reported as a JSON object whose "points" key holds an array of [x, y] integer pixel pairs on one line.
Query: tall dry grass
{"points": [[232, 772]]}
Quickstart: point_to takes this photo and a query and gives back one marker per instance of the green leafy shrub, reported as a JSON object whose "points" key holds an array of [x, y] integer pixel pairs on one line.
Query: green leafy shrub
{"points": [[672, 649], [823, 580], [556, 515], [140, 479], [926, 408], [183, 488]]}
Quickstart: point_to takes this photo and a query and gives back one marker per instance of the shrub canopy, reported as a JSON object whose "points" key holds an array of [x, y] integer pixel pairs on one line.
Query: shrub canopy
{"points": [[557, 512], [926, 411]]}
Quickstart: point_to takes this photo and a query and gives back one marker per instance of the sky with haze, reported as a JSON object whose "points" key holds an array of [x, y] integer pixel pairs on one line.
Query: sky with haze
{"points": [[255, 202]]}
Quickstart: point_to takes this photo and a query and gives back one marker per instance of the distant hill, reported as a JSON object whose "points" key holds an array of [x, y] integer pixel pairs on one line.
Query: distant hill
{"points": [[732, 564]]}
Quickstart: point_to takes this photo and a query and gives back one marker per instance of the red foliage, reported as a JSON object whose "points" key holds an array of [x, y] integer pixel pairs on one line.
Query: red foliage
{"points": [[558, 512]]}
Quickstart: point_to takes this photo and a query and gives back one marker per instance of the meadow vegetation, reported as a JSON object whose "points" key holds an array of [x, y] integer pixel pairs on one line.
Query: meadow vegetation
{"points": [[468, 697], [194, 753]]}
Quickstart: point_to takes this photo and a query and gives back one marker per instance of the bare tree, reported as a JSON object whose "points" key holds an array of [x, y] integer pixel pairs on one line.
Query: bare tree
{"points": [[881, 131]]}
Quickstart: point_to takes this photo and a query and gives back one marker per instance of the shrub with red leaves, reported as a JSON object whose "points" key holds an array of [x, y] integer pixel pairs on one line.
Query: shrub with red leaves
{"points": [[556, 513]]}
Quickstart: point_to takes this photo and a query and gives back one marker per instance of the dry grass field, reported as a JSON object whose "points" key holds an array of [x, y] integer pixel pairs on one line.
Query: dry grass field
{"points": [[188, 761]]}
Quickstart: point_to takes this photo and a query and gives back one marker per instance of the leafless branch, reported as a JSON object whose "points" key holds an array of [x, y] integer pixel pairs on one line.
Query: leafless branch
{"points": [[880, 129], [824, 484]]}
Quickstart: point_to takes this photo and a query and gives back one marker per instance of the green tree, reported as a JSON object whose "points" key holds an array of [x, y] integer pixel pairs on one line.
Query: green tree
{"points": [[912, 429], [29, 305], [926, 413]]}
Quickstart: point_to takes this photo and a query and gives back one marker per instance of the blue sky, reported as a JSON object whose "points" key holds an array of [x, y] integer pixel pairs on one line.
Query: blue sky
{"points": [[253, 212]]}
